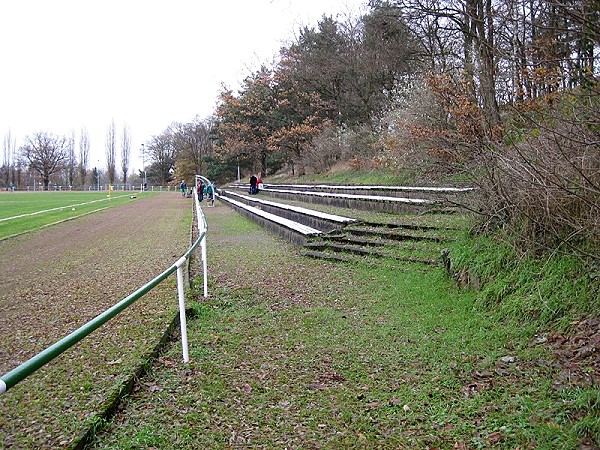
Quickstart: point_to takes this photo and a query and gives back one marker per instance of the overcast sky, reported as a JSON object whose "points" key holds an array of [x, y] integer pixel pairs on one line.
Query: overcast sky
{"points": [[66, 64]]}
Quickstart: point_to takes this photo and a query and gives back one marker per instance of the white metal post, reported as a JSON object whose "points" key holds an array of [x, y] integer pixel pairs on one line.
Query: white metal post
{"points": [[204, 265], [202, 229], [182, 319]]}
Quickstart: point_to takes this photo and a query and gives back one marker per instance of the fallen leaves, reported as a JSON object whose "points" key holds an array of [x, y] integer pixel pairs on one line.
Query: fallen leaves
{"points": [[152, 387], [331, 377], [578, 354]]}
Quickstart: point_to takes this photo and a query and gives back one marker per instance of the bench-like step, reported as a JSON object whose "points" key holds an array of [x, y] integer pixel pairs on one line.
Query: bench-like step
{"points": [[355, 201], [296, 232], [366, 188], [341, 248], [342, 220], [372, 198]]}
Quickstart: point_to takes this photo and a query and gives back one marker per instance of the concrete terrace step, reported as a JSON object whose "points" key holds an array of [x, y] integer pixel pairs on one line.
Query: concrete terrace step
{"points": [[412, 245], [396, 234], [375, 240], [397, 266], [342, 251], [390, 190], [294, 231], [378, 198], [353, 201], [341, 238], [316, 219], [407, 226], [337, 257]]}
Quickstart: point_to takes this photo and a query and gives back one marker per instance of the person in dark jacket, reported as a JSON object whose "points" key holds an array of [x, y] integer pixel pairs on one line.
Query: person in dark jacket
{"points": [[253, 182], [200, 190]]}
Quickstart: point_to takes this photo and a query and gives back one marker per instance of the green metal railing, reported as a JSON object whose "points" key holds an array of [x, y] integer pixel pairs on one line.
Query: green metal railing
{"points": [[18, 374]]}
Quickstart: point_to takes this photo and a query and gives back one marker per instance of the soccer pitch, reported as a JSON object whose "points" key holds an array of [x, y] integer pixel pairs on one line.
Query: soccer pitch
{"points": [[25, 211]]}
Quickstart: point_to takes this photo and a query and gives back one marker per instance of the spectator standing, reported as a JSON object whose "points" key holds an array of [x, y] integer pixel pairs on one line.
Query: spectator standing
{"points": [[253, 182], [183, 187], [200, 191]]}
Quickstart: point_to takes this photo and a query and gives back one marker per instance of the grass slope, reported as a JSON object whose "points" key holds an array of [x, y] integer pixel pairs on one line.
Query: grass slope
{"points": [[290, 352]]}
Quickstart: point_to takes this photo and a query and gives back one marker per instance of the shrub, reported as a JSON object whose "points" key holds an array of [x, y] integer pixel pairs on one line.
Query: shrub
{"points": [[543, 185]]}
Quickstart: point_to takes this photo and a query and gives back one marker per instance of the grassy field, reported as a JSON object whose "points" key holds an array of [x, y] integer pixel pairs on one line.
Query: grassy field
{"points": [[290, 352], [25, 211]]}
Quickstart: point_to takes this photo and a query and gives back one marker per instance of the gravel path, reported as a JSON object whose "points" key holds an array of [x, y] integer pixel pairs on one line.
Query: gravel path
{"points": [[54, 280]]}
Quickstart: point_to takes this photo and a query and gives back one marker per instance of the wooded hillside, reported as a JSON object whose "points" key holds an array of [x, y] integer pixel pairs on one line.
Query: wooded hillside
{"points": [[498, 93]]}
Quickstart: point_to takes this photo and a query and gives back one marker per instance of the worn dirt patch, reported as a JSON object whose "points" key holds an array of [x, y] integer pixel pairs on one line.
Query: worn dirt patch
{"points": [[53, 281]]}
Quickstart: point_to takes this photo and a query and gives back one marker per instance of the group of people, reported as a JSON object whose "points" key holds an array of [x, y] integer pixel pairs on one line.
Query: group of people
{"points": [[207, 190], [255, 184], [203, 190]]}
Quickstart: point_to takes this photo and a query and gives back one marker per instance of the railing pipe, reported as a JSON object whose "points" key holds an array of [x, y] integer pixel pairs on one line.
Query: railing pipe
{"points": [[204, 266], [28, 367], [10, 379], [18, 374]]}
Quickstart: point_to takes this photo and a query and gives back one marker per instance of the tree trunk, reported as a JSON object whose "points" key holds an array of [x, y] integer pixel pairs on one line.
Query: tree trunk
{"points": [[484, 28], [468, 33]]}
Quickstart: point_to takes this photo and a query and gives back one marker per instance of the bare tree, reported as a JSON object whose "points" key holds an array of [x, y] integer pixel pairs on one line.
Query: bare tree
{"points": [[471, 24], [161, 151], [8, 153], [125, 152], [192, 143], [111, 152], [84, 155], [71, 159], [46, 154]]}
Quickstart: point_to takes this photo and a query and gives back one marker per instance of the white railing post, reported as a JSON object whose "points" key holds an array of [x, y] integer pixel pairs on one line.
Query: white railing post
{"points": [[204, 265], [202, 228], [182, 320]]}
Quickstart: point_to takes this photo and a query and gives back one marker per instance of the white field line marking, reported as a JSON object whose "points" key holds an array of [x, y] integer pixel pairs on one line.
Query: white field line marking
{"points": [[58, 207]]}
